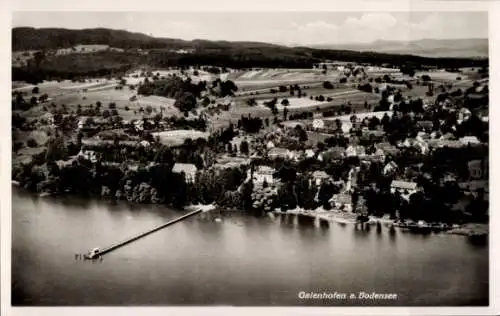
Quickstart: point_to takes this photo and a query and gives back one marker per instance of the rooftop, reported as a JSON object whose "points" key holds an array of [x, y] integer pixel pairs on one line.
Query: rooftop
{"points": [[184, 167], [404, 185]]}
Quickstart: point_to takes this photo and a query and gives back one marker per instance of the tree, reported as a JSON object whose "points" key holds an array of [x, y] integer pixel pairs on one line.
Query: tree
{"points": [[285, 102], [38, 57], [426, 78], [244, 148], [31, 143], [106, 113], [327, 85], [35, 90], [186, 102], [251, 102], [56, 150], [302, 134]]}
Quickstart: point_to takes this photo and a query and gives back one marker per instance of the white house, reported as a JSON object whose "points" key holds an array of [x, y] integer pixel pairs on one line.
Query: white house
{"points": [[319, 176], [262, 174], [353, 151], [406, 189], [277, 152], [88, 154], [309, 153], [189, 170], [390, 168], [469, 140]]}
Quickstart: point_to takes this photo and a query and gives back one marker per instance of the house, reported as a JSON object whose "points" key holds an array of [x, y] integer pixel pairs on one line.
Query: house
{"points": [[49, 117], [474, 185], [469, 140], [390, 168], [144, 143], [475, 169], [319, 176], [342, 199], [188, 169], [427, 125], [262, 174], [277, 152], [421, 146], [438, 143], [331, 154], [352, 151], [139, 125], [88, 154], [406, 189], [309, 153], [387, 148], [422, 136]]}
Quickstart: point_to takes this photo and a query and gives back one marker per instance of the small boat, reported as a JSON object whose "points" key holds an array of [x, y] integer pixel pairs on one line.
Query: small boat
{"points": [[93, 254]]}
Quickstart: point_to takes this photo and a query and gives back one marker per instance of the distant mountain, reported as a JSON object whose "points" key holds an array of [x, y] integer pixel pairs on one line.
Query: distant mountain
{"points": [[167, 52], [463, 48]]}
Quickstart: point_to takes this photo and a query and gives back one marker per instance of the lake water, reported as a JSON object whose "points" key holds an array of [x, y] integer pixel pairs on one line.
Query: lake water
{"points": [[241, 260]]}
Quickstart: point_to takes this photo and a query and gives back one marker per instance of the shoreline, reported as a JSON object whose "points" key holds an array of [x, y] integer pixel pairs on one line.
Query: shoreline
{"points": [[337, 216]]}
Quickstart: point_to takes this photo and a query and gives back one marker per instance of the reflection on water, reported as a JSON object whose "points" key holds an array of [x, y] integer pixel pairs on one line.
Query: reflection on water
{"points": [[240, 260]]}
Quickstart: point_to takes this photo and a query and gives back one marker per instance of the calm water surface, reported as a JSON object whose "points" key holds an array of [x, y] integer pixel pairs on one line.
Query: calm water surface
{"points": [[242, 260]]}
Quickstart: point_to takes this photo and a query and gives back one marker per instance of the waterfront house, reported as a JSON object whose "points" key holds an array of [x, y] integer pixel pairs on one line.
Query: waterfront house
{"points": [[188, 169], [405, 188], [342, 200], [262, 174]]}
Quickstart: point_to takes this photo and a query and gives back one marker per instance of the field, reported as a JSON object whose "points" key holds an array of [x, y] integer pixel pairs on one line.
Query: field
{"points": [[73, 94], [261, 81], [258, 80], [177, 137]]}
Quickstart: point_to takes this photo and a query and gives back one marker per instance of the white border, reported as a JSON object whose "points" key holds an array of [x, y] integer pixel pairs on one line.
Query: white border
{"points": [[234, 6]]}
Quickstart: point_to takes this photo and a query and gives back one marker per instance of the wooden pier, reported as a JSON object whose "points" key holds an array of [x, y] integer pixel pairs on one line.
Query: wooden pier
{"points": [[138, 236]]}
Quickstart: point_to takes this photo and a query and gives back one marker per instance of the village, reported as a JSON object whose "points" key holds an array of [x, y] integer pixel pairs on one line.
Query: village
{"points": [[242, 159], [382, 144]]}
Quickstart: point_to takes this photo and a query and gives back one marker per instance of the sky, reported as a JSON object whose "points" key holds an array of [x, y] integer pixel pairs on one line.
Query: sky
{"points": [[290, 28]]}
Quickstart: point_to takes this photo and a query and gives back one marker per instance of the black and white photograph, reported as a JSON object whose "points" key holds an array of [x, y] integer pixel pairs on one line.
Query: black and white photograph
{"points": [[250, 159]]}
